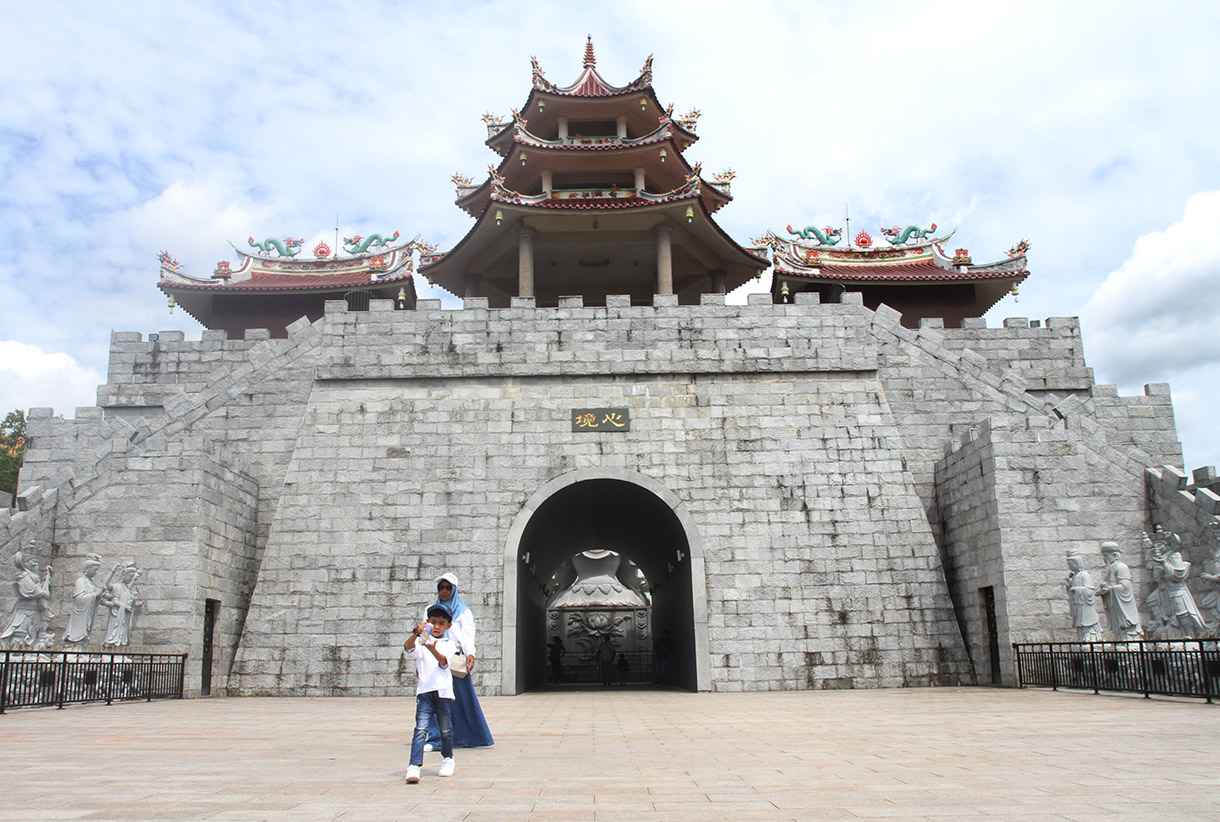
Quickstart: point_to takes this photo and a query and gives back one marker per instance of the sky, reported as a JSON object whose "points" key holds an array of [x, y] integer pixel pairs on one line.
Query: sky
{"points": [[1090, 129]]}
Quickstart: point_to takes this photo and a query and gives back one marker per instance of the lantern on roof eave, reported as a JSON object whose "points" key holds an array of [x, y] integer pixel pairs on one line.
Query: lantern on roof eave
{"points": [[690, 214], [664, 154], [523, 158], [499, 216], [643, 103], [401, 299], [172, 303], [541, 105]]}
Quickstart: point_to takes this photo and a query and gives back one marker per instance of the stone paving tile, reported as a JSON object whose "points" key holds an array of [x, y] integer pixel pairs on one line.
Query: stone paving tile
{"points": [[931, 754]]}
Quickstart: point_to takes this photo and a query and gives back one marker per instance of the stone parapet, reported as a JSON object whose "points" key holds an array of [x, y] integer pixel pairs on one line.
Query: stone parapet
{"points": [[573, 339]]}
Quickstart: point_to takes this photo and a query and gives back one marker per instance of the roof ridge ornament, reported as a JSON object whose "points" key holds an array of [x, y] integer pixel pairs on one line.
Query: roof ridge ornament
{"points": [[590, 57], [539, 77], [826, 236], [689, 120], [289, 247], [894, 236], [360, 244]]}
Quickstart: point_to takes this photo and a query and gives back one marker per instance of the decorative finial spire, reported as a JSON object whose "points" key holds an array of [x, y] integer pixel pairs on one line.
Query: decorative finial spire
{"points": [[590, 59]]}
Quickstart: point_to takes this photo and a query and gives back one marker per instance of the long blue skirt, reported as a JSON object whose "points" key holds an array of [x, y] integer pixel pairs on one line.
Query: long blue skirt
{"points": [[469, 727]]}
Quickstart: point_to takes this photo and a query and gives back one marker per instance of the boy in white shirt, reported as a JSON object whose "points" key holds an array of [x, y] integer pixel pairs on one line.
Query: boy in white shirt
{"points": [[434, 693]]}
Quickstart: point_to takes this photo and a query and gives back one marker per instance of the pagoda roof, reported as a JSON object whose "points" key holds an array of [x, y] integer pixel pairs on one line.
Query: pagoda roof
{"points": [[590, 83], [380, 267], [516, 131], [378, 263], [475, 199], [812, 255], [487, 238]]}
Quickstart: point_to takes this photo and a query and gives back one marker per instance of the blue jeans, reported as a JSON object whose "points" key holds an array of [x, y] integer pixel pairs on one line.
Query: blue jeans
{"points": [[427, 706]]}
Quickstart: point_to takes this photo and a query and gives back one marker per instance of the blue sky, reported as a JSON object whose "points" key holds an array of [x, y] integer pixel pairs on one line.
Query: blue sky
{"points": [[1088, 128]]}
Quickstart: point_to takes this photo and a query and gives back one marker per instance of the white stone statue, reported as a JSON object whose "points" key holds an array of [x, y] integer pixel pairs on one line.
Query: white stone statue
{"points": [[122, 599], [1082, 600], [1210, 604], [85, 597], [31, 611], [597, 584], [1171, 602], [1118, 595]]}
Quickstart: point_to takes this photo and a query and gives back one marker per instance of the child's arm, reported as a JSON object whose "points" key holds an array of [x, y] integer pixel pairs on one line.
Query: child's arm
{"points": [[441, 659]]}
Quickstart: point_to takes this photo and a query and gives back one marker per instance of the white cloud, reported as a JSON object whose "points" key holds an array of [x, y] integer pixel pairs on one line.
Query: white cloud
{"points": [[1159, 312], [31, 378], [144, 126], [1194, 409]]}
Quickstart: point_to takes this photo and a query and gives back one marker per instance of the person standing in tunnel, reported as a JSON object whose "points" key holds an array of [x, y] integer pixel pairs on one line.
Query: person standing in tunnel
{"points": [[660, 657], [605, 659], [555, 652]]}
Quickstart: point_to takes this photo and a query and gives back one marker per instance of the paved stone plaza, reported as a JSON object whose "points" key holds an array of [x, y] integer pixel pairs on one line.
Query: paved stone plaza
{"points": [[925, 753]]}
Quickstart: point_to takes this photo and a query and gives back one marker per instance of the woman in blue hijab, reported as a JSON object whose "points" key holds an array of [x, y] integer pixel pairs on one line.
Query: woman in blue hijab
{"points": [[469, 727]]}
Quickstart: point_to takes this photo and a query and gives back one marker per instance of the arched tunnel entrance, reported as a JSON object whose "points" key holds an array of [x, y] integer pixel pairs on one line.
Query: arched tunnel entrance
{"points": [[628, 514]]}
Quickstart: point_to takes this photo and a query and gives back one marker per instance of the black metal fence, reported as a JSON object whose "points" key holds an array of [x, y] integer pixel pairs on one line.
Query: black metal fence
{"points": [[33, 679], [1179, 667], [581, 668]]}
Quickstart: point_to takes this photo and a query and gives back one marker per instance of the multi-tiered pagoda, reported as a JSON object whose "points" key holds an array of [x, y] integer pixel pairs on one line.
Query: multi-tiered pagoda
{"points": [[593, 196]]}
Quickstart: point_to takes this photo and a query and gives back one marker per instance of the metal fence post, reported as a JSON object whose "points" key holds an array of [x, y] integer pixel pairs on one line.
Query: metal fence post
{"points": [[1145, 679], [1093, 666], [1207, 680], [63, 678], [4, 682]]}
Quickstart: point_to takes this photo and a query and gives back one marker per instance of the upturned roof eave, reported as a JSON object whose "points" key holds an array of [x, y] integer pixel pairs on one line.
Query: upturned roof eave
{"points": [[253, 286], [442, 270], [860, 273]]}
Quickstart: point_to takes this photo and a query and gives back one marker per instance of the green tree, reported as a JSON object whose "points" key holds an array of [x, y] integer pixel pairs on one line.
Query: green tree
{"points": [[12, 450]]}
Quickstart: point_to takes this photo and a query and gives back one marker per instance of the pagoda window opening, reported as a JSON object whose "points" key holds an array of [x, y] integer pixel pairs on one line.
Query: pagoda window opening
{"points": [[590, 181], [592, 128]]}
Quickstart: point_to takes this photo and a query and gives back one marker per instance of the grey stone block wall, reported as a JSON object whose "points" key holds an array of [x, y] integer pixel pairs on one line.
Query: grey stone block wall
{"points": [[973, 555], [768, 424], [1052, 488], [1190, 510], [325, 479], [1145, 422]]}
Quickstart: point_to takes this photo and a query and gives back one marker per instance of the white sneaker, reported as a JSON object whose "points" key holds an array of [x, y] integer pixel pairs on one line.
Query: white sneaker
{"points": [[412, 774], [428, 747], [446, 767]]}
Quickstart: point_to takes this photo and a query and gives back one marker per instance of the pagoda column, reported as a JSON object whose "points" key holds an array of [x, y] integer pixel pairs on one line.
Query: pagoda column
{"points": [[563, 128], [471, 280], [665, 260], [525, 261], [620, 125], [547, 180], [639, 180], [717, 275]]}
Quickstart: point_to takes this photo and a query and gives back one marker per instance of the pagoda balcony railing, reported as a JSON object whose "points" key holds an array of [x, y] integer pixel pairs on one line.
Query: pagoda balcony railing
{"points": [[500, 192], [611, 193], [655, 136]]}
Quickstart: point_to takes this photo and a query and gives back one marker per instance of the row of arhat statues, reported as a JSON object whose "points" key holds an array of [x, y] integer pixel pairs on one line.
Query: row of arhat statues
{"points": [[31, 620], [1170, 606]]}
